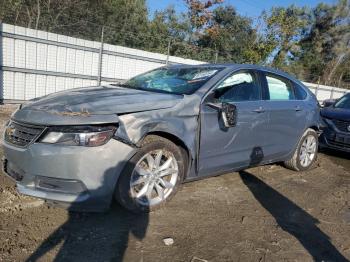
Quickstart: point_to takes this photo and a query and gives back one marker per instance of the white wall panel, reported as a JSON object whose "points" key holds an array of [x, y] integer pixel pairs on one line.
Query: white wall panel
{"points": [[95, 60], [40, 88], [61, 59], [70, 65], [30, 85], [86, 82], [41, 60], [60, 84], [78, 82], [8, 28], [9, 84], [68, 83], [119, 64], [52, 58], [88, 63], [30, 55], [41, 34], [338, 94], [50, 84], [19, 86], [79, 62], [20, 50], [20, 30], [8, 52], [111, 61]]}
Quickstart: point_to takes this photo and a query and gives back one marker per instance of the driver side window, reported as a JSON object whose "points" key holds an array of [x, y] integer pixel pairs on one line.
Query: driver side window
{"points": [[238, 87]]}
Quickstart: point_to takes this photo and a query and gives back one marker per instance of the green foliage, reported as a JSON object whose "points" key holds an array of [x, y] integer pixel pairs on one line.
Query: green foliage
{"points": [[125, 21], [325, 48], [234, 38], [284, 27]]}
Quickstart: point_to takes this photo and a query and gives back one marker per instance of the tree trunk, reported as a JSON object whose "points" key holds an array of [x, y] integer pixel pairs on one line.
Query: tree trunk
{"points": [[38, 13], [334, 68], [340, 78], [29, 25]]}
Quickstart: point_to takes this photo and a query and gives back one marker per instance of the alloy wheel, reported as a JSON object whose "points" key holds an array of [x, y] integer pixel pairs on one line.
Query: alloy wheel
{"points": [[308, 151], [154, 177]]}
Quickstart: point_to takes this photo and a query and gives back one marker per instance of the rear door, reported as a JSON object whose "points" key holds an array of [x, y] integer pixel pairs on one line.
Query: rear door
{"points": [[221, 148], [286, 116]]}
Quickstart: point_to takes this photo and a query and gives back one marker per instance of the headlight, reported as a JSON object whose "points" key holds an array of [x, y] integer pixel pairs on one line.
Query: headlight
{"points": [[79, 135]]}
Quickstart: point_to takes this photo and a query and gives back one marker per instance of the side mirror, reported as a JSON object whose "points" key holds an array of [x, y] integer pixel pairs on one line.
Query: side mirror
{"points": [[228, 113]]}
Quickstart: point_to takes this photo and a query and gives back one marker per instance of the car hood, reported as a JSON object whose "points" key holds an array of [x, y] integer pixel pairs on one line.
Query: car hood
{"points": [[92, 103], [103, 100], [336, 113]]}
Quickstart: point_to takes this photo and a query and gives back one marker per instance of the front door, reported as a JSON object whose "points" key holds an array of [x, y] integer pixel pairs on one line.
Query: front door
{"points": [[221, 148]]}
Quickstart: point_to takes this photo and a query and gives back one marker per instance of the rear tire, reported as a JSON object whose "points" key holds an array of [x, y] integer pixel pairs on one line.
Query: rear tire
{"points": [[305, 154], [143, 185]]}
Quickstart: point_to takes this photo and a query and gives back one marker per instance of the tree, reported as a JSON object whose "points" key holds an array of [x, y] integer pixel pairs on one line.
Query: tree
{"points": [[325, 49], [125, 20], [168, 26], [235, 38], [284, 26], [200, 14]]}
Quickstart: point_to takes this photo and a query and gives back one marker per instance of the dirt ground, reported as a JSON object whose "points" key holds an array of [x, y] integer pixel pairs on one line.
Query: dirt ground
{"points": [[262, 214]]}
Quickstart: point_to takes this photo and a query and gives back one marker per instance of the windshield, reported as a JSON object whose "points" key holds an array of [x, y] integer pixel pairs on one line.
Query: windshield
{"points": [[343, 102], [173, 80]]}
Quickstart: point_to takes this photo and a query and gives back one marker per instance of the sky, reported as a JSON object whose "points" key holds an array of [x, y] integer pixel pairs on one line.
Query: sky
{"points": [[251, 8]]}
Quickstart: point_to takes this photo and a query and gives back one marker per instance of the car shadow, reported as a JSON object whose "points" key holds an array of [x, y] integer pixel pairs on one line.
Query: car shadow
{"points": [[95, 236], [293, 219], [335, 153], [338, 157]]}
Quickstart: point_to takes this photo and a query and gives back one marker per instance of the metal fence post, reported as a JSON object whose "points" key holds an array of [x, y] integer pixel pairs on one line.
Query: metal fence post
{"points": [[317, 87], [99, 77], [168, 53], [316, 90], [216, 57], [332, 92]]}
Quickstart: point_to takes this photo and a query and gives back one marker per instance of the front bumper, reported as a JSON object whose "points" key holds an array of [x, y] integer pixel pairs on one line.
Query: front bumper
{"points": [[335, 140], [79, 178]]}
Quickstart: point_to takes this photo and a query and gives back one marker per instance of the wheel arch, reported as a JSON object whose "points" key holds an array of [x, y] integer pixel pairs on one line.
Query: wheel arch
{"points": [[314, 127], [177, 141]]}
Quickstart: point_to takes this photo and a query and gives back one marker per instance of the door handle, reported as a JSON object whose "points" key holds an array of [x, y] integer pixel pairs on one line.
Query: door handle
{"points": [[298, 108], [259, 110]]}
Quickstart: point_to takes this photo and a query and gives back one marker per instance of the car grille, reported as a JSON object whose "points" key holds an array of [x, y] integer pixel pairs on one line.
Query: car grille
{"points": [[22, 134], [341, 125]]}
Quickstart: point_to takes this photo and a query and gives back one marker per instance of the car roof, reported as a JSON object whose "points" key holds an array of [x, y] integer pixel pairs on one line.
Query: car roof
{"points": [[239, 66]]}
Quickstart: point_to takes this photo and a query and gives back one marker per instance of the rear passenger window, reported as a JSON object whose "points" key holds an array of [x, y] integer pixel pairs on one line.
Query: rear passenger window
{"points": [[241, 86], [299, 92], [279, 89]]}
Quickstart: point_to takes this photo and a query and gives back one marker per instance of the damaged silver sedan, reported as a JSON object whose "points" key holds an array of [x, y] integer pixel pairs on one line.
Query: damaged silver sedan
{"points": [[138, 141]]}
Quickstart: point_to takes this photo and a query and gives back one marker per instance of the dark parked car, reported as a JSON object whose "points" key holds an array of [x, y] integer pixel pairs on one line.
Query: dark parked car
{"points": [[336, 116], [139, 140]]}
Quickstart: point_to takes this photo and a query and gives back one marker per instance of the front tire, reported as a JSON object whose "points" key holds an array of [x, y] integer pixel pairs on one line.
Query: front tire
{"points": [[305, 154], [152, 176]]}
